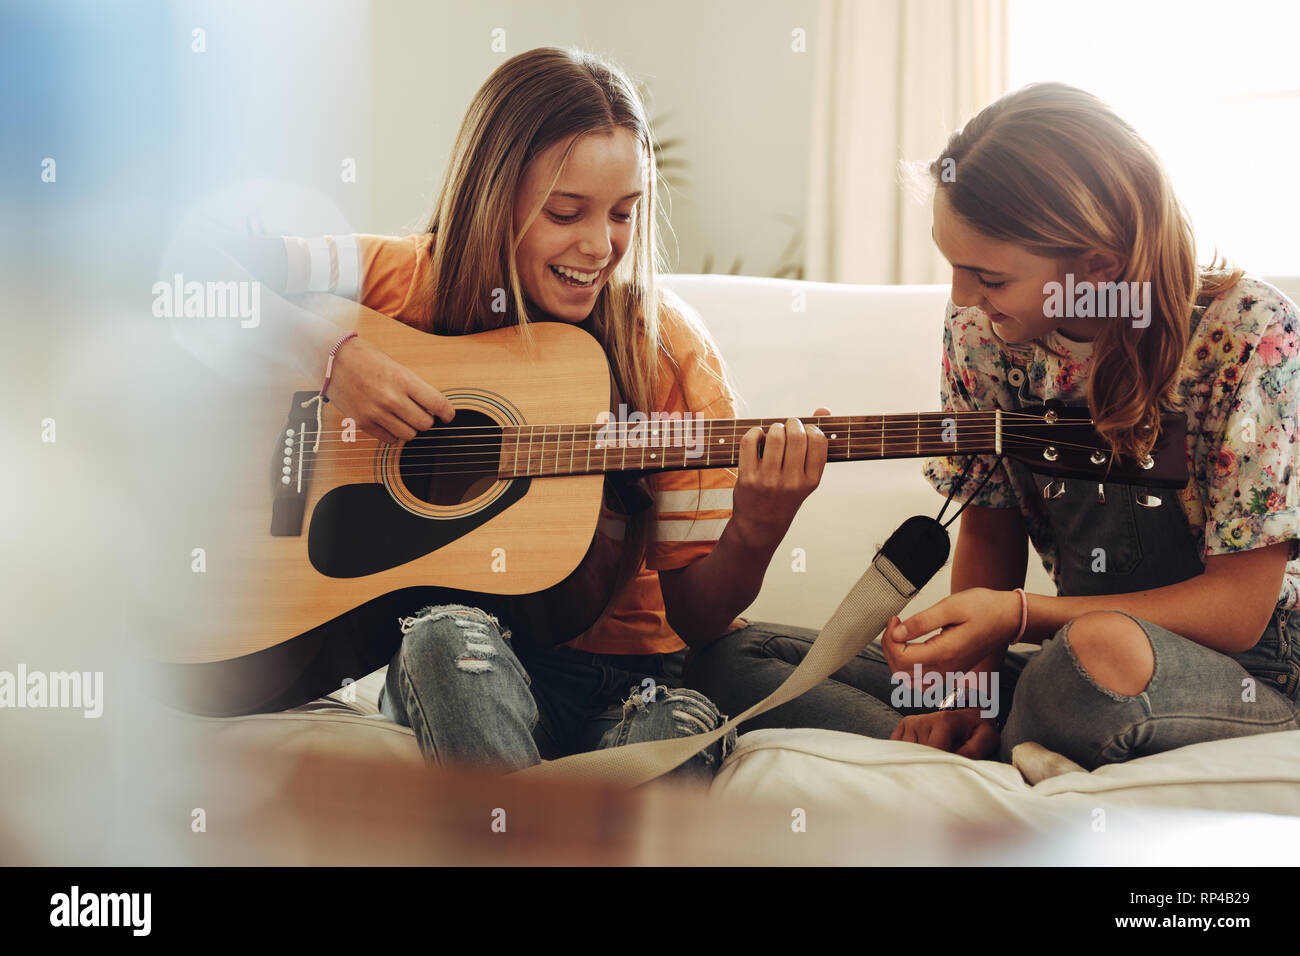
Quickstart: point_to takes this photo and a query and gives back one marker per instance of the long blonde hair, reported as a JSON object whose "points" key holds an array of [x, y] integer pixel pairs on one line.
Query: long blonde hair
{"points": [[1056, 171], [530, 102]]}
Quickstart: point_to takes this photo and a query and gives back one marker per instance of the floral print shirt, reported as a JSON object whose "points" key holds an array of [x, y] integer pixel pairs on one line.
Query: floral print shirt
{"points": [[1240, 388]]}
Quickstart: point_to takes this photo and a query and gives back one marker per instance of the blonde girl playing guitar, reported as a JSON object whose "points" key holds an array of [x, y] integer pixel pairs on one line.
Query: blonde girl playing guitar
{"points": [[547, 213]]}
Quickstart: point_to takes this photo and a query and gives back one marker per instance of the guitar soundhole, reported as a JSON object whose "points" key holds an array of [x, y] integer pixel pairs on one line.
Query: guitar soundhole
{"points": [[450, 464]]}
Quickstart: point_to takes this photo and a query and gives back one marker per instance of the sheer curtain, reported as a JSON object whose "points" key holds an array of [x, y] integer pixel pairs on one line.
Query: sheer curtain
{"points": [[895, 78]]}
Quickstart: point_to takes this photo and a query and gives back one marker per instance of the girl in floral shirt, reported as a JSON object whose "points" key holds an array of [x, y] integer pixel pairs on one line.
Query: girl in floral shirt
{"points": [[1175, 619], [1241, 440]]}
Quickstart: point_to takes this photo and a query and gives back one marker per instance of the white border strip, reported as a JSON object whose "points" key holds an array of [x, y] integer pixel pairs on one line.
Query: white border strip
{"points": [[318, 250], [349, 266]]}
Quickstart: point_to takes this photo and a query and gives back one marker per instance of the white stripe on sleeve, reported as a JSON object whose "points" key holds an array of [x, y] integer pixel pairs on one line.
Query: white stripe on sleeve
{"points": [[687, 529], [318, 249], [706, 499], [349, 267]]}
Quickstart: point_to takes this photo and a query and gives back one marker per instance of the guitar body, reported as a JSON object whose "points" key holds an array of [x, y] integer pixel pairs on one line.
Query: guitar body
{"points": [[313, 560]]}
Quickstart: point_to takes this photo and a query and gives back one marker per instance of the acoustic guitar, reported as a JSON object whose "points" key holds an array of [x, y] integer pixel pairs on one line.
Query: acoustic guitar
{"points": [[498, 509]]}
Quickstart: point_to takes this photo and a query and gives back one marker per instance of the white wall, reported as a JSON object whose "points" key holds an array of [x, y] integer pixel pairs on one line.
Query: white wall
{"points": [[722, 73]]}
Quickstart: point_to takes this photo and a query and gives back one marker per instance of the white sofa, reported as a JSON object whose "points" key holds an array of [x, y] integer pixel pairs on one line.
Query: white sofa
{"points": [[863, 349]]}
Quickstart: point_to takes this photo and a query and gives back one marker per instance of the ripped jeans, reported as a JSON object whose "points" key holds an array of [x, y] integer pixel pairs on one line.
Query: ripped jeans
{"points": [[1045, 695], [471, 699]]}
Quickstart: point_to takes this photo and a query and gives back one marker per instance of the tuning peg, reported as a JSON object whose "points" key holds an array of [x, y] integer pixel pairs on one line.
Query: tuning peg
{"points": [[1101, 493]]}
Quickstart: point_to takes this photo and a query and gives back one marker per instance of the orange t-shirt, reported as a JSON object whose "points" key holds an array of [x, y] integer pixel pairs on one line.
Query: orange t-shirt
{"points": [[691, 506]]}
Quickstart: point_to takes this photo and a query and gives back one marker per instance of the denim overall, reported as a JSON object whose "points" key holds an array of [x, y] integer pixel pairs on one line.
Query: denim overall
{"points": [[1145, 547]]}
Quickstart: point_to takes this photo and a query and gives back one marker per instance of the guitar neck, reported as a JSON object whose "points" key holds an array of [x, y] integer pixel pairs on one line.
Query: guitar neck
{"points": [[673, 445]]}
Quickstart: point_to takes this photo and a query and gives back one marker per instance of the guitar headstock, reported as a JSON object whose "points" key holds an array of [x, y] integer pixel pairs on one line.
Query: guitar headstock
{"points": [[1056, 439]]}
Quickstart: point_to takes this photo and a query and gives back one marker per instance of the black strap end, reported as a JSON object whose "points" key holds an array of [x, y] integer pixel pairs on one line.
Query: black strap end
{"points": [[919, 548]]}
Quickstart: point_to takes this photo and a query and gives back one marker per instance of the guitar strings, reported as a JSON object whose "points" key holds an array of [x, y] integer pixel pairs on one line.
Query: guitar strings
{"points": [[833, 421], [652, 455], [582, 433], [431, 450], [869, 433], [495, 473], [491, 462]]}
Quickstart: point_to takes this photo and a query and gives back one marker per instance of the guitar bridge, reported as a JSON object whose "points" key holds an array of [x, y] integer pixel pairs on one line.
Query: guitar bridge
{"points": [[291, 466]]}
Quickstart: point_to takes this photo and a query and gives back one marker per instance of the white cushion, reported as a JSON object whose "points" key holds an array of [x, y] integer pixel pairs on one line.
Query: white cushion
{"points": [[1259, 773]]}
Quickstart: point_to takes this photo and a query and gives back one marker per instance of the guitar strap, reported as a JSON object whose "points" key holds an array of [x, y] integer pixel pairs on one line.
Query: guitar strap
{"points": [[912, 555]]}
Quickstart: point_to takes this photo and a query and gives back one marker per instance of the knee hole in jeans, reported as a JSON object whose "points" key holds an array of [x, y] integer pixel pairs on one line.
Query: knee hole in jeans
{"points": [[471, 637], [692, 712], [1113, 650]]}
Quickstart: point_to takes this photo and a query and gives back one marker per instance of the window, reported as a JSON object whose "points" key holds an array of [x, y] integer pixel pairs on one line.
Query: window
{"points": [[1213, 87]]}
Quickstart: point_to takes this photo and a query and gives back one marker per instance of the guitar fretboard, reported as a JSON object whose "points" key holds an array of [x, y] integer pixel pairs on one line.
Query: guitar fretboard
{"points": [[540, 450]]}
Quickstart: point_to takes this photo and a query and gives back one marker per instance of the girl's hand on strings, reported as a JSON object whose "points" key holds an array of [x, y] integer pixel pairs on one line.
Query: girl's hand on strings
{"points": [[971, 625], [961, 731], [770, 489], [386, 399]]}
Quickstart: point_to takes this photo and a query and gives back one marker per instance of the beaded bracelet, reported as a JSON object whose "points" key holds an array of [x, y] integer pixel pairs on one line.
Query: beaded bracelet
{"points": [[329, 364]]}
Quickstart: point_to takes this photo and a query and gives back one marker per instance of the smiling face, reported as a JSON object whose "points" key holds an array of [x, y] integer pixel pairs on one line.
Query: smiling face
{"points": [[1006, 281], [586, 222]]}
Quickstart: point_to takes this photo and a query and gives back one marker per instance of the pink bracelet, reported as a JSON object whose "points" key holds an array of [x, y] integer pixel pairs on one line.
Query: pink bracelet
{"points": [[1024, 616], [329, 364]]}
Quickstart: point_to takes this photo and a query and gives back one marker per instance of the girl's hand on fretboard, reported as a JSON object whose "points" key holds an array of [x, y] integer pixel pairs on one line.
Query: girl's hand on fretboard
{"points": [[770, 488]]}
